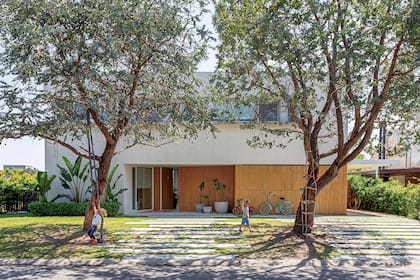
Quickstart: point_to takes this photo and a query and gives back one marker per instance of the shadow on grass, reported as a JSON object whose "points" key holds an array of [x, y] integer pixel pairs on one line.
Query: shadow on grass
{"points": [[40, 241], [286, 244]]}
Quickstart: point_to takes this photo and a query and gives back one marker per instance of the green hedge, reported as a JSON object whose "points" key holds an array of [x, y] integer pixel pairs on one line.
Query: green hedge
{"points": [[69, 209], [389, 197]]}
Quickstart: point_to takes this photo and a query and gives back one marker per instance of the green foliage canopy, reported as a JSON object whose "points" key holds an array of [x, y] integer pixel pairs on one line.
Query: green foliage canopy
{"points": [[13, 185], [131, 64], [17, 179], [328, 62]]}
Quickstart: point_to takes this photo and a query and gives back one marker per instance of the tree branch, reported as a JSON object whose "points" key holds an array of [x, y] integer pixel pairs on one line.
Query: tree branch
{"points": [[329, 153], [69, 147]]}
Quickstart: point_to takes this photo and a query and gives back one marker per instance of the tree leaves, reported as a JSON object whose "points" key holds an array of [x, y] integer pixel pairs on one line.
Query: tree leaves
{"points": [[132, 63], [332, 63]]}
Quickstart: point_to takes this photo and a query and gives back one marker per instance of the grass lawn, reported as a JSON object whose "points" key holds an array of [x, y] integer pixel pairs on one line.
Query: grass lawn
{"points": [[274, 239], [26, 236]]}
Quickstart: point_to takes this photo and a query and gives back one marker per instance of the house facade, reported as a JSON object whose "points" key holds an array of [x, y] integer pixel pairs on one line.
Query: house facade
{"points": [[167, 178]]}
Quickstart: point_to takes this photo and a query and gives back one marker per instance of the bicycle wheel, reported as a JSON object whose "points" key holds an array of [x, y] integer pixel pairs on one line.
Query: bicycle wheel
{"points": [[355, 203], [264, 209], [236, 211], [285, 208], [252, 210]]}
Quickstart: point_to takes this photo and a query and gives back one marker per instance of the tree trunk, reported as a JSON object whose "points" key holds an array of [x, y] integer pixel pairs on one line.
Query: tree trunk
{"points": [[104, 166], [306, 209], [305, 212]]}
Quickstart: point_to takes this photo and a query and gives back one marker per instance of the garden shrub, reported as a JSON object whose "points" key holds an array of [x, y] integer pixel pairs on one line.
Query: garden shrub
{"points": [[57, 209], [413, 201], [389, 197], [69, 208], [16, 189], [112, 208]]}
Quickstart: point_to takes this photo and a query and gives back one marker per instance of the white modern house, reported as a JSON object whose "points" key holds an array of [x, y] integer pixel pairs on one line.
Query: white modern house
{"points": [[167, 178]]}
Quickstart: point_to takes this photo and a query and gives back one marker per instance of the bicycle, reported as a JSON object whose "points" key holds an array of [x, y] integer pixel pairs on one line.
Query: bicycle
{"points": [[285, 207], [237, 210]]}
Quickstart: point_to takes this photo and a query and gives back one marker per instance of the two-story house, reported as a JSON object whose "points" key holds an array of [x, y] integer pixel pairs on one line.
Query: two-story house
{"points": [[168, 177]]}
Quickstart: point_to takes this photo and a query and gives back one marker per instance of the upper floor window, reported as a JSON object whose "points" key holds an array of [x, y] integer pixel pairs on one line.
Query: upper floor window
{"points": [[274, 112], [277, 112]]}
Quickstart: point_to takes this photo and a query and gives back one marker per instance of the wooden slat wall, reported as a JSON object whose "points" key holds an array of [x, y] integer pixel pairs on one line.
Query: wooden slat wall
{"points": [[255, 182], [157, 188], [333, 198], [190, 179]]}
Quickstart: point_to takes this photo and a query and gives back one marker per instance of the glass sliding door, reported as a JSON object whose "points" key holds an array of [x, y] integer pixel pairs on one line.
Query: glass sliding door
{"points": [[143, 188]]}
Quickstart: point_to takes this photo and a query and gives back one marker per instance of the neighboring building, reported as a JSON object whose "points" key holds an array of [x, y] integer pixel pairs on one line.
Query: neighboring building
{"points": [[168, 177], [20, 167], [404, 167]]}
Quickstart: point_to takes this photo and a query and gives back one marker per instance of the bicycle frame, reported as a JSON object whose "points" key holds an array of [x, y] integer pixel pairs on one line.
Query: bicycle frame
{"points": [[283, 207]]}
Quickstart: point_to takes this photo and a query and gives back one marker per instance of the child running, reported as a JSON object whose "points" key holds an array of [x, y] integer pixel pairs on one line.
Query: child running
{"points": [[245, 215]]}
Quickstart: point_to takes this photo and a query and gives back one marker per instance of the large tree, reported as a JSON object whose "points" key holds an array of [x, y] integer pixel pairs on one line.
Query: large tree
{"points": [[130, 64], [334, 63]]}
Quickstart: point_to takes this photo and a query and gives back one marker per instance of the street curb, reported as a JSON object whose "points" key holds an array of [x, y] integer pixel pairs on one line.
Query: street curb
{"points": [[117, 262], [235, 261]]}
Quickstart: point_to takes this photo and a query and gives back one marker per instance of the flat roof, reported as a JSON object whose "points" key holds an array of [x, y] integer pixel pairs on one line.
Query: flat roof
{"points": [[371, 163]]}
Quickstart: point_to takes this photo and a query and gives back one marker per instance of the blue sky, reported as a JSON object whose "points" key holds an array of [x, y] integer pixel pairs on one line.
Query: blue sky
{"points": [[31, 152]]}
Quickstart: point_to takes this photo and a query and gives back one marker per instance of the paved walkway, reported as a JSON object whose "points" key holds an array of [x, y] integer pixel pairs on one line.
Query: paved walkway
{"points": [[368, 235], [179, 240], [193, 240]]}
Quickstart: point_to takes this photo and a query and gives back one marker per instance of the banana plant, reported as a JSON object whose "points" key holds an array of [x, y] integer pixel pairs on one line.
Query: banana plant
{"points": [[73, 178], [111, 186], [43, 184]]}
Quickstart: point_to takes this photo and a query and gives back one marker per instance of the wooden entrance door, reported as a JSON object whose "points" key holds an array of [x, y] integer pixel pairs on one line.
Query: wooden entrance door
{"points": [[167, 189]]}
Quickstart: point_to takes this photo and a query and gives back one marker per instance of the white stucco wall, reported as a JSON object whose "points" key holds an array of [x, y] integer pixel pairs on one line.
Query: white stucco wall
{"points": [[228, 148]]}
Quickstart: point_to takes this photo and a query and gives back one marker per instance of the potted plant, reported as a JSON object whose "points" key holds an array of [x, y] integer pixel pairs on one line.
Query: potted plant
{"points": [[207, 208], [220, 205], [203, 206], [199, 206]]}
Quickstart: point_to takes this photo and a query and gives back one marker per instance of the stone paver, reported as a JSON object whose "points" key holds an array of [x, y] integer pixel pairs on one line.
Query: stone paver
{"points": [[204, 231], [182, 245], [354, 237], [158, 241], [185, 259], [376, 236], [164, 251], [179, 238]]}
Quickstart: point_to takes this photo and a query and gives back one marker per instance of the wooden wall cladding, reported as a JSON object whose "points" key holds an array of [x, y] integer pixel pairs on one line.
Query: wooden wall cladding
{"points": [[255, 182], [190, 179]]}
